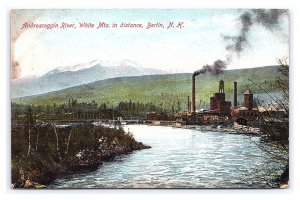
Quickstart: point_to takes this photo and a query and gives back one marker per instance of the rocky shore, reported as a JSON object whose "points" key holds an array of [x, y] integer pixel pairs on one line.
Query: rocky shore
{"points": [[73, 152], [89, 160]]}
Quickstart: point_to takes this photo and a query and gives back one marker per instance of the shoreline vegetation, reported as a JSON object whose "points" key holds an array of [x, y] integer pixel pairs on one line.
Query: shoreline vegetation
{"points": [[59, 151], [45, 151]]}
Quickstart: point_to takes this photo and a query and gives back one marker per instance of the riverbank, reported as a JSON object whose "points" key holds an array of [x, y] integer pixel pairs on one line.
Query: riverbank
{"points": [[44, 152], [230, 128]]}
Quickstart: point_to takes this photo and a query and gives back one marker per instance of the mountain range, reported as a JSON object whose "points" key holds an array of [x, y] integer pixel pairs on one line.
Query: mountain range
{"points": [[75, 75], [165, 89]]}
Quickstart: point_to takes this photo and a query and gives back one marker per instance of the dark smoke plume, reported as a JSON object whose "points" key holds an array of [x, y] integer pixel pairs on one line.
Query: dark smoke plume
{"points": [[216, 68], [238, 43], [269, 19]]}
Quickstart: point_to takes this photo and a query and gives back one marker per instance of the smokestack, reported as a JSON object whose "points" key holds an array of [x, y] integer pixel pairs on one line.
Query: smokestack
{"points": [[235, 94], [193, 95], [188, 105], [216, 68]]}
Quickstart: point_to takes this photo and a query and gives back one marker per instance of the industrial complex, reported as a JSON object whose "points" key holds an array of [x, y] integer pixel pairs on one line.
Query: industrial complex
{"points": [[221, 111]]}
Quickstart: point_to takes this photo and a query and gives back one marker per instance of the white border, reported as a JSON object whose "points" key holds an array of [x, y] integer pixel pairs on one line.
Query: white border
{"points": [[7, 193]]}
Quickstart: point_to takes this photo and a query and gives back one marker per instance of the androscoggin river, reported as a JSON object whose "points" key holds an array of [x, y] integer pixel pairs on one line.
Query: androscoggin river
{"points": [[185, 158]]}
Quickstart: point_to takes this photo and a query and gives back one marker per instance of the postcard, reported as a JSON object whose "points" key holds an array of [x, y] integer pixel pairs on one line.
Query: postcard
{"points": [[149, 98]]}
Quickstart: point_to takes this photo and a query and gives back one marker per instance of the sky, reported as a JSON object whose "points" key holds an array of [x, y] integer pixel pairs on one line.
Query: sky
{"points": [[199, 42]]}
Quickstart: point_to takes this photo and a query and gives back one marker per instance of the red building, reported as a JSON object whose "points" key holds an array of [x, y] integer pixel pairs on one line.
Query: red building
{"points": [[218, 102], [246, 114], [248, 99]]}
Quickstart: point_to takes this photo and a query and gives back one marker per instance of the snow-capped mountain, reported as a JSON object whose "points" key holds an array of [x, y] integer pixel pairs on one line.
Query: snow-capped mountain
{"points": [[69, 76]]}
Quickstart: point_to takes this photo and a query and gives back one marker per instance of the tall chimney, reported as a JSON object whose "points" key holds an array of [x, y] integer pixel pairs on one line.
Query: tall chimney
{"points": [[193, 95], [188, 105], [235, 94]]}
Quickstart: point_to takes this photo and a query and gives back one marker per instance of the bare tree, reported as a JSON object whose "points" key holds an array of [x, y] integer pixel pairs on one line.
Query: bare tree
{"points": [[275, 121], [30, 125]]}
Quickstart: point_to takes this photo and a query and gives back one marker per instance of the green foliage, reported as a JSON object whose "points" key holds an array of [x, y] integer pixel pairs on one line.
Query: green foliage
{"points": [[83, 110], [163, 91]]}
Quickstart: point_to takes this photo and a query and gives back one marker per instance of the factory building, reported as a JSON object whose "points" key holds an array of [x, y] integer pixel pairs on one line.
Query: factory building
{"points": [[218, 103], [248, 99], [246, 114], [221, 111], [156, 116]]}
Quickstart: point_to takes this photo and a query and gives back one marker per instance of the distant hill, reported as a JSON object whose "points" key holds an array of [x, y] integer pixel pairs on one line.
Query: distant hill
{"points": [[164, 90], [69, 76]]}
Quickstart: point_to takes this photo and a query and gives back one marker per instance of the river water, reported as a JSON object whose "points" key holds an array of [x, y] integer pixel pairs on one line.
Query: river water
{"points": [[185, 158]]}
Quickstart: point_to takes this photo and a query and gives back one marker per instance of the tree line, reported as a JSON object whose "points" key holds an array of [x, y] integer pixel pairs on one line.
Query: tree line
{"points": [[73, 109]]}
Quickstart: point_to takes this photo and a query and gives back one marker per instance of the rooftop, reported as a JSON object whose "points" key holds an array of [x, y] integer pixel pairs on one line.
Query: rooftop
{"points": [[248, 92]]}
